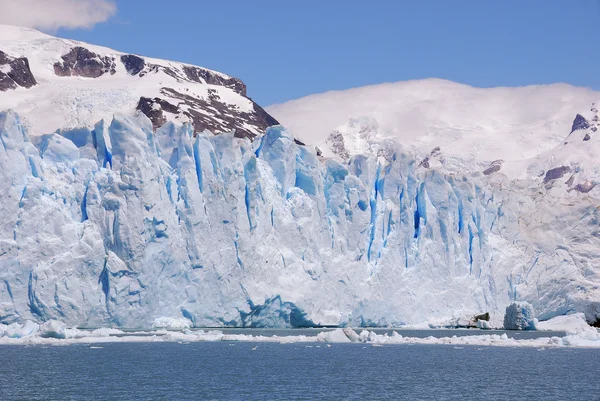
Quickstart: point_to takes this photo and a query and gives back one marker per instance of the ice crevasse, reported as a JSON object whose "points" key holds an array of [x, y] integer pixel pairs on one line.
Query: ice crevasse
{"points": [[120, 226]]}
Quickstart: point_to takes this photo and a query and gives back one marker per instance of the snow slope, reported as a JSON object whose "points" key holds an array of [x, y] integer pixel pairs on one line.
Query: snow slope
{"points": [[473, 125], [79, 84]]}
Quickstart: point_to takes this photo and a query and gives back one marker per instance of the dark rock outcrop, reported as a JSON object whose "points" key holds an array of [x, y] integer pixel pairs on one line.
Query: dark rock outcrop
{"points": [[570, 180], [579, 123], [336, 143], [200, 75], [425, 162], [494, 167], [15, 72], [592, 314], [153, 109], [484, 316], [556, 173], [83, 63], [584, 187], [133, 64], [212, 114]]}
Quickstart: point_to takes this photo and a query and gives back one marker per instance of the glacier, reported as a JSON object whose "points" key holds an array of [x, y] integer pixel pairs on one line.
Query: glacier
{"points": [[118, 225]]}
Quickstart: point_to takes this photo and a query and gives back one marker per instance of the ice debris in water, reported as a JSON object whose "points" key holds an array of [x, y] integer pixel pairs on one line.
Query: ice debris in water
{"points": [[519, 316], [53, 329], [581, 335]]}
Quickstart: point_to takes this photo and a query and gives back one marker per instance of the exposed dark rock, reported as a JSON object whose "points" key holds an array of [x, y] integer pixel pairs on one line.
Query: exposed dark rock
{"points": [[263, 118], [15, 72], [425, 162], [494, 167], [570, 180], [587, 137], [133, 64], [200, 75], [592, 313], [83, 63], [319, 152], [297, 142], [473, 323], [153, 109], [556, 173], [584, 187], [484, 316], [212, 114], [580, 123], [336, 143]]}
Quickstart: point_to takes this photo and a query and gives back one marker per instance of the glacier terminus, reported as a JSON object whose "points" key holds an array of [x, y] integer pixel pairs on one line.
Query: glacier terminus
{"points": [[121, 225]]}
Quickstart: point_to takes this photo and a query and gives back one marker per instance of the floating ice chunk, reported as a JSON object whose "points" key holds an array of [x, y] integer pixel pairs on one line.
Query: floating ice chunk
{"points": [[29, 334], [571, 324], [483, 324], [519, 316], [338, 336], [53, 329], [16, 330]]}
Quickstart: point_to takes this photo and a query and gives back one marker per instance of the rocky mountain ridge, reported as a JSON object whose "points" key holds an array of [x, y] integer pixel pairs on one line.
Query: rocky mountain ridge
{"points": [[55, 83]]}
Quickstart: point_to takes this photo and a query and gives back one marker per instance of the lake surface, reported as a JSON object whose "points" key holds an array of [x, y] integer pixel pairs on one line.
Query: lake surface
{"points": [[234, 371]]}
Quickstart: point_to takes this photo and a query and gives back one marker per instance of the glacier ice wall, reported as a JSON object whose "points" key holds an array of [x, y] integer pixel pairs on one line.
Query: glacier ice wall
{"points": [[120, 225]]}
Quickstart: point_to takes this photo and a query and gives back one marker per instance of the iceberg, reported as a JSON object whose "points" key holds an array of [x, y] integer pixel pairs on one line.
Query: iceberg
{"points": [[589, 338], [53, 329], [519, 316], [118, 225]]}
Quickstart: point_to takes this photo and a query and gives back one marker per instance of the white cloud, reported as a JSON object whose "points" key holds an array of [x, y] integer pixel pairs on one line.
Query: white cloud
{"points": [[50, 15]]}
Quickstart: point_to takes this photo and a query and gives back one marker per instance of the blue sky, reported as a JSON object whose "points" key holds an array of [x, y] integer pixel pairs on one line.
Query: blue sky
{"points": [[287, 49]]}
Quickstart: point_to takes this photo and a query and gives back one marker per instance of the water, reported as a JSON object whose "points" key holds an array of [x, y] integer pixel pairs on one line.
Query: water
{"points": [[233, 371]]}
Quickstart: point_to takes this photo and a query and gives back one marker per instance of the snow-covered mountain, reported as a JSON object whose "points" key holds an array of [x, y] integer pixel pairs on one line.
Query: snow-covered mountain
{"points": [[124, 223], [56, 83], [471, 126]]}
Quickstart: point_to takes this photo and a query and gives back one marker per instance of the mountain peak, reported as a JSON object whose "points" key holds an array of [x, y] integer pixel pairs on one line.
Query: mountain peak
{"points": [[80, 83]]}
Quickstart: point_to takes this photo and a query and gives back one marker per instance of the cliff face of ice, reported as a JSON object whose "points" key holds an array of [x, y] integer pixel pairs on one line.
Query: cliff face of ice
{"points": [[120, 225]]}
